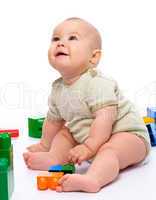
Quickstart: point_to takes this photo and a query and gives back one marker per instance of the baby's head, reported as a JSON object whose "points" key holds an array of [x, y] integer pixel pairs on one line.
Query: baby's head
{"points": [[75, 47]]}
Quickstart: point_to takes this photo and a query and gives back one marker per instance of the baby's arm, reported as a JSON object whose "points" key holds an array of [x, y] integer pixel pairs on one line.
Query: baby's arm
{"points": [[100, 132], [49, 130], [101, 128]]}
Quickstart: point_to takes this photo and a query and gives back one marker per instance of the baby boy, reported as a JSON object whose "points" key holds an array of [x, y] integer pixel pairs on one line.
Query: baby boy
{"points": [[88, 118]]}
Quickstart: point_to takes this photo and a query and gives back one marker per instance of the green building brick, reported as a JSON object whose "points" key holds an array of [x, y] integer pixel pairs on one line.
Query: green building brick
{"points": [[6, 167], [35, 127], [68, 168], [4, 179], [6, 149]]}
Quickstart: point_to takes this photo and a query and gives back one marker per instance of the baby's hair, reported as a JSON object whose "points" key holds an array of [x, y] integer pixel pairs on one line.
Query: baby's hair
{"points": [[74, 18], [97, 35]]}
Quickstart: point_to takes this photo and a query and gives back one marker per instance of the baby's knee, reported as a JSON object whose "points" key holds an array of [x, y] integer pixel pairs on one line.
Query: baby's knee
{"points": [[111, 158], [106, 146], [114, 157]]}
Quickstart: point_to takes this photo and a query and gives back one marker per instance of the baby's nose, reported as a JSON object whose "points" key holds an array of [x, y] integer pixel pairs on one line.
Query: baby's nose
{"points": [[60, 43]]}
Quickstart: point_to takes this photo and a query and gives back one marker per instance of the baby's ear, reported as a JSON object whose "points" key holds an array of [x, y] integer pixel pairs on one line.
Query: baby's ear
{"points": [[96, 55]]}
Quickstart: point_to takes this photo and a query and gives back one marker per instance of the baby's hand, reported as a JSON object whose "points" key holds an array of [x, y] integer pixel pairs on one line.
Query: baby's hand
{"points": [[79, 154]]}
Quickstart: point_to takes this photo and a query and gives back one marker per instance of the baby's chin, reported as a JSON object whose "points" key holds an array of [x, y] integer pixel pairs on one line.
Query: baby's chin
{"points": [[67, 69], [60, 65], [63, 69]]}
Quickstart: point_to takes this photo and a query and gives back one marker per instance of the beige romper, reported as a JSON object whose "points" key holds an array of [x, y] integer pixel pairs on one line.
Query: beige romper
{"points": [[92, 91]]}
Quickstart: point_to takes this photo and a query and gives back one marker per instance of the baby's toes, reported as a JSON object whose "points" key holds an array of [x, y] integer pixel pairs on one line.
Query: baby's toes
{"points": [[63, 179], [26, 156], [63, 183], [59, 189]]}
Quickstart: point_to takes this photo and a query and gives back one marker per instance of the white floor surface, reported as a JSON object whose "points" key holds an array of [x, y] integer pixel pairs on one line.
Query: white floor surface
{"points": [[132, 184]]}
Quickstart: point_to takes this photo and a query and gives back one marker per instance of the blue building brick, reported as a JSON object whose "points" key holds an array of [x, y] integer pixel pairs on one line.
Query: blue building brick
{"points": [[151, 112], [152, 133]]}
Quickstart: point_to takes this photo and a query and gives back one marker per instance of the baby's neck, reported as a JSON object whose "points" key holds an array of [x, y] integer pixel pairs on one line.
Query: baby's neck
{"points": [[70, 80]]}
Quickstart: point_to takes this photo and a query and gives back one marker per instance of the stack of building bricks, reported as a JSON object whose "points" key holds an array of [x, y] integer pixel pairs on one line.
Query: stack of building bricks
{"points": [[6, 167], [150, 122], [50, 179], [14, 133]]}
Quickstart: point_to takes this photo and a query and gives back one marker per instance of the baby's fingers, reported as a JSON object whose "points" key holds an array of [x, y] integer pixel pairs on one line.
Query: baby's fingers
{"points": [[75, 159], [69, 158], [72, 158], [81, 159]]}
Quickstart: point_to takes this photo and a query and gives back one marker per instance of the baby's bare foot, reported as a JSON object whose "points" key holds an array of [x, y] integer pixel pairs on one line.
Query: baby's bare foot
{"points": [[78, 182], [39, 147], [39, 160]]}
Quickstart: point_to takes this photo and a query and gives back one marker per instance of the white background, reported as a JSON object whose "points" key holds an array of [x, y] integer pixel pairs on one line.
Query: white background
{"points": [[128, 29], [129, 48]]}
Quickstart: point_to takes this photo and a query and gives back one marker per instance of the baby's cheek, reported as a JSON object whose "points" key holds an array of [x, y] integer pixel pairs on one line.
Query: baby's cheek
{"points": [[50, 52]]}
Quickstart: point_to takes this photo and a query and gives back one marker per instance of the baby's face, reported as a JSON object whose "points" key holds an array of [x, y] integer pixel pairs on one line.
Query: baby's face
{"points": [[71, 48]]}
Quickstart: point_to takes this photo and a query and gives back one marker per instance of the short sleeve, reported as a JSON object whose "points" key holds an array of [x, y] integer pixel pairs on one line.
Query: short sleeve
{"points": [[101, 92], [53, 112]]}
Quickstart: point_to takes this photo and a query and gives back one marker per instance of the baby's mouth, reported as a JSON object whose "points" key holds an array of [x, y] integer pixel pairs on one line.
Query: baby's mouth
{"points": [[61, 54]]}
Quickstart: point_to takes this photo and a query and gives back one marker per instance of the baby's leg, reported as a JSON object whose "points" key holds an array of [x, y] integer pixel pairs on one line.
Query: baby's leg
{"points": [[58, 153], [122, 150], [48, 130]]}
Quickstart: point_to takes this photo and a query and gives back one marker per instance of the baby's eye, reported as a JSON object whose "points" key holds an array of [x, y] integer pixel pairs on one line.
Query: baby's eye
{"points": [[54, 39], [73, 37]]}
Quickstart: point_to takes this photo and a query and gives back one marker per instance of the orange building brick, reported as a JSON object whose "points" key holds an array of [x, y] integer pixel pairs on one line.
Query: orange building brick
{"points": [[48, 180]]}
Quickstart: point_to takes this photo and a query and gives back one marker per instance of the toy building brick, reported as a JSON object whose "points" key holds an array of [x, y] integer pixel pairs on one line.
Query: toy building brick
{"points": [[35, 127], [150, 121], [48, 180], [67, 169], [152, 133], [12, 132], [6, 167], [151, 112]]}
